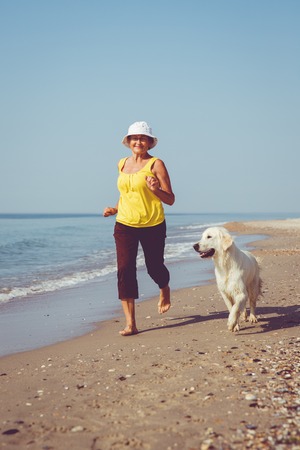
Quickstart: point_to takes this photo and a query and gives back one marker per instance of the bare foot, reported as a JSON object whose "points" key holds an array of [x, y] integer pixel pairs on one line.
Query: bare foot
{"points": [[164, 303], [129, 331]]}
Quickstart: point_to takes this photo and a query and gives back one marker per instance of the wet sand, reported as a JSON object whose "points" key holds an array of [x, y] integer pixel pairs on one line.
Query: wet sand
{"points": [[184, 382]]}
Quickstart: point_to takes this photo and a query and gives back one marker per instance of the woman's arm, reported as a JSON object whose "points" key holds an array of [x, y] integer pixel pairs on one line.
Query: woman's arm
{"points": [[160, 184]]}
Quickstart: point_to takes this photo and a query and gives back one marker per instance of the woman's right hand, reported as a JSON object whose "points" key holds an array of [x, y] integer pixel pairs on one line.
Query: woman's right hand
{"points": [[109, 211]]}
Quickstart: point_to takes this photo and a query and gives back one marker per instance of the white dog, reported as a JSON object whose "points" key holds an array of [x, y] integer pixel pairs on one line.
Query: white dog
{"points": [[237, 273]]}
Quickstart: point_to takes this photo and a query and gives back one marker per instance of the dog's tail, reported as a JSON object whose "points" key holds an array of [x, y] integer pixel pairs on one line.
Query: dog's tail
{"points": [[260, 282], [260, 289], [259, 260]]}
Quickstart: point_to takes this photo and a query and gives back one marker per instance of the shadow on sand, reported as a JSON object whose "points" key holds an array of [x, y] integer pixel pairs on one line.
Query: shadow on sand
{"points": [[269, 319]]}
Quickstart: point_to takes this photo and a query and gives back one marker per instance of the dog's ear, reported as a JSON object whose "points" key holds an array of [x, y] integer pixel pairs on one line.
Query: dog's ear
{"points": [[227, 241]]}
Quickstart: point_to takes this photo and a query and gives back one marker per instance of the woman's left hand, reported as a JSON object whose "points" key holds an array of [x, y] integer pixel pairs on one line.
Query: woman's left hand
{"points": [[152, 183]]}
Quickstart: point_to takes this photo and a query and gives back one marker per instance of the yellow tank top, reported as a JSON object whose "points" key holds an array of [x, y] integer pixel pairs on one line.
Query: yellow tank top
{"points": [[138, 207]]}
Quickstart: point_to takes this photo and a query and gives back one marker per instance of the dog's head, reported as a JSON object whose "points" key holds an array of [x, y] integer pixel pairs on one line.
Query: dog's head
{"points": [[214, 241]]}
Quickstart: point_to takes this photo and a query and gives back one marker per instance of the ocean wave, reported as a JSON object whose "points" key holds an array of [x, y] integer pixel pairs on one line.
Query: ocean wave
{"points": [[50, 282], [43, 259], [201, 226], [177, 251], [23, 245], [51, 285]]}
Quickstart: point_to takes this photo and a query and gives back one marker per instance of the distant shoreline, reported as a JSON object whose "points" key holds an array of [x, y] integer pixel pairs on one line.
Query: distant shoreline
{"points": [[281, 215]]}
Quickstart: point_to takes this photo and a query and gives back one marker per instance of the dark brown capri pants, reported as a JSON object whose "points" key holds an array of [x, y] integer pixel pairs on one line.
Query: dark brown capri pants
{"points": [[152, 240]]}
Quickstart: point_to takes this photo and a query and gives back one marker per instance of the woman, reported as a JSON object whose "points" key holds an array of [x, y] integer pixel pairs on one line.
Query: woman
{"points": [[144, 184]]}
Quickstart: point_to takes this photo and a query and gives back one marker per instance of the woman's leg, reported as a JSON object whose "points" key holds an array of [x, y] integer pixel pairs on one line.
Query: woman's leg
{"points": [[153, 244], [164, 303], [129, 312], [127, 246]]}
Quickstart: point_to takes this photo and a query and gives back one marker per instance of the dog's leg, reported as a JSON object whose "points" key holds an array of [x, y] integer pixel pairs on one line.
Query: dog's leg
{"points": [[244, 314], [228, 300], [253, 295], [252, 317], [236, 310]]}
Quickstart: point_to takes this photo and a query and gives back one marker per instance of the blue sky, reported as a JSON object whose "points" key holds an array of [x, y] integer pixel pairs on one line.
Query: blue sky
{"points": [[218, 81]]}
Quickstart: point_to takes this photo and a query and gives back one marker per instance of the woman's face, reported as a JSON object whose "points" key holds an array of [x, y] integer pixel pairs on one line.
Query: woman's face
{"points": [[139, 143]]}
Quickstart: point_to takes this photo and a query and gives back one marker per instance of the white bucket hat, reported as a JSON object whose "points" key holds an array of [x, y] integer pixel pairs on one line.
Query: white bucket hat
{"points": [[140, 128]]}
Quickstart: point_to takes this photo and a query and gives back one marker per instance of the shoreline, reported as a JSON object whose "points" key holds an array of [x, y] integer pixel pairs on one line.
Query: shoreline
{"points": [[45, 319], [55, 317], [183, 382]]}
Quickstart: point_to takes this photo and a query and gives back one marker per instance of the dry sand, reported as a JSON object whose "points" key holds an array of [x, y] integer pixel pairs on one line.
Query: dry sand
{"points": [[184, 382]]}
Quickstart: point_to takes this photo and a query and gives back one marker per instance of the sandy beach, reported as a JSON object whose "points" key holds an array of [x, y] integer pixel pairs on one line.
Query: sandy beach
{"points": [[184, 382]]}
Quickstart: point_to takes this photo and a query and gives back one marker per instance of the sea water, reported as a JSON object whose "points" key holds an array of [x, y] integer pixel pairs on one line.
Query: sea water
{"points": [[45, 253], [46, 260]]}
